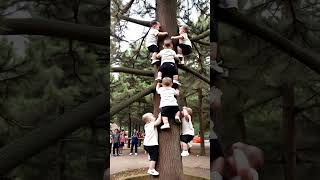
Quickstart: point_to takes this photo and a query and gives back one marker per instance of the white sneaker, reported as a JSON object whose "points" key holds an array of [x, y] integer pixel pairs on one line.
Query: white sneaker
{"points": [[177, 119], [190, 145], [158, 79], [153, 172], [185, 153], [154, 61], [176, 82], [130, 154], [165, 126], [136, 154]]}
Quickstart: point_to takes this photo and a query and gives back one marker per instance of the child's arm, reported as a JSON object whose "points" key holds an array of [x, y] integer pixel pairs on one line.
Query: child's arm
{"points": [[176, 58], [177, 92], [177, 37], [158, 120], [158, 87], [162, 33], [158, 56]]}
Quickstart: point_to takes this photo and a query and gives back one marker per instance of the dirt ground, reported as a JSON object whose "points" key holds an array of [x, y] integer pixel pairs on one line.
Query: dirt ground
{"points": [[194, 164]]}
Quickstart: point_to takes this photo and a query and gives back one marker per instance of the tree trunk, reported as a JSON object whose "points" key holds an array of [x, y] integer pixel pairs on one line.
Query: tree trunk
{"points": [[201, 122], [129, 129], [243, 129], [288, 130], [169, 163]]}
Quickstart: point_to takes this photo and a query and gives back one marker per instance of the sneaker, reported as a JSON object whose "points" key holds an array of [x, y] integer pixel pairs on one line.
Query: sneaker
{"points": [[154, 61], [158, 79], [136, 154], [153, 172], [165, 126], [185, 153], [176, 82], [177, 119], [113, 155], [130, 154]]}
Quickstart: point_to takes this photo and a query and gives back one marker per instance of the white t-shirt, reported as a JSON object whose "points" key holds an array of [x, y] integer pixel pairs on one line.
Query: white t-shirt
{"points": [[185, 39], [151, 134], [167, 55], [152, 37], [167, 97], [187, 127]]}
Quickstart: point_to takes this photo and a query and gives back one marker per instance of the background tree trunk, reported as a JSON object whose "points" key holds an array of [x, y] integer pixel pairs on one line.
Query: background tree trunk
{"points": [[129, 128], [288, 130], [169, 164], [201, 122]]}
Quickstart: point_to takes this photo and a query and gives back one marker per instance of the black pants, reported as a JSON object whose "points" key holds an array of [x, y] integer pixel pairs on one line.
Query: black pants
{"points": [[135, 148], [115, 146]]}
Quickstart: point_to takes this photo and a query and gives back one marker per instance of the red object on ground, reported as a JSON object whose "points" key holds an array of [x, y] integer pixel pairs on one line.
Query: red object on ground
{"points": [[196, 139]]}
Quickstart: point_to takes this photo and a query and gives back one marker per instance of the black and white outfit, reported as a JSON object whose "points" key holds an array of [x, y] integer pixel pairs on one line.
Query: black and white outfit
{"points": [[150, 141], [168, 67], [185, 44], [152, 40], [187, 131], [168, 103]]}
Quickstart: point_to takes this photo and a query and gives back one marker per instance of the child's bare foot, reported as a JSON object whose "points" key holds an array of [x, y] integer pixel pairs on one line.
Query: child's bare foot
{"points": [[165, 126]]}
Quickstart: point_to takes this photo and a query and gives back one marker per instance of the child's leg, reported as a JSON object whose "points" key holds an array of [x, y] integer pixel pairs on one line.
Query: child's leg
{"points": [[159, 76], [184, 146], [165, 120], [114, 149], [179, 50], [176, 77], [154, 55], [152, 165]]}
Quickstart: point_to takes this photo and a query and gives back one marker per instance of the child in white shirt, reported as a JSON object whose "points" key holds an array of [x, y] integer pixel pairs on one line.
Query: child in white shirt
{"points": [[150, 142], [168, 66], [168, 103], [152, 40], [187, 133], [184, 46]]}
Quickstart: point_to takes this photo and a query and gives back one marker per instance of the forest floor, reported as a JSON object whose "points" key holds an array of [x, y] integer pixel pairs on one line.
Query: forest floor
{"points": [[194, 164]]}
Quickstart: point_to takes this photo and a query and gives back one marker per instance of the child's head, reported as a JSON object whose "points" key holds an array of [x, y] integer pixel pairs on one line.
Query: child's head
{"points": [[155, 24], [167, 44], [187, 110], [183, 29], [167, 82], [116, 130], [148, 117]]}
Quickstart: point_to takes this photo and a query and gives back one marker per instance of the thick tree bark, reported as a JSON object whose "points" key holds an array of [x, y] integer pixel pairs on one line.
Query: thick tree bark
{"points": [[288, 130], [129, 128], [243, 128], [307, 57], [169, 164], [54, 28], [201, 122], [23, 148]]}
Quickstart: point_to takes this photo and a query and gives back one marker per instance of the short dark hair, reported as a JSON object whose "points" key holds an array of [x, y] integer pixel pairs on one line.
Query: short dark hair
{"points": [[154, 22]]}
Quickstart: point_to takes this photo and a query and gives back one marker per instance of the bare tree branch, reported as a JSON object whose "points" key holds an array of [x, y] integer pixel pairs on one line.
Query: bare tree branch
{"points": [[60, 29], [133, 71]]}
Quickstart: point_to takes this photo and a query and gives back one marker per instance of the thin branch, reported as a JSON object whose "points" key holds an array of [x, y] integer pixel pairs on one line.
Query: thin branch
{"points": [[133, 71]]}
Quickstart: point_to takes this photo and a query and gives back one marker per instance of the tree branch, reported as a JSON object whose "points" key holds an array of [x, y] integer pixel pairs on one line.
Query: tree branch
{"points": [[305, 56], [117, 108], [60, 29], [200, 76], [19, 150], [201, 36], [133, 71], [137, 21]]}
